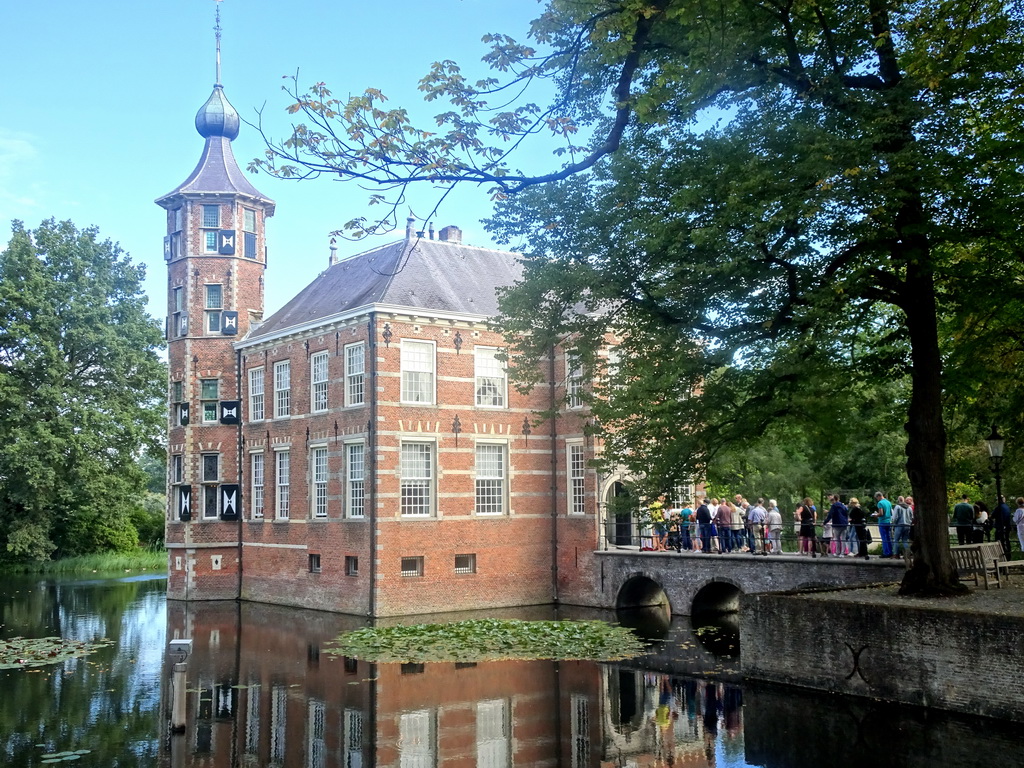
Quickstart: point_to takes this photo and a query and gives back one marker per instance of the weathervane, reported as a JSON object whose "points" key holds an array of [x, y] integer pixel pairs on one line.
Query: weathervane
{"points": [[216, 30]]}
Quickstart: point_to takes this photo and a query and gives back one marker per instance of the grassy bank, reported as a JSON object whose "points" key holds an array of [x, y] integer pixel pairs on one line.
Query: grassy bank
{"points": [[143, 561]]}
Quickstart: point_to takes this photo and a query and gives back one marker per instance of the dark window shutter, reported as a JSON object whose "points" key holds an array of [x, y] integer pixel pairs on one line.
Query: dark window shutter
{"points": [[229, 323], [229, 410], [184, 502], [183, 414], [230, 502], [226, 242]]}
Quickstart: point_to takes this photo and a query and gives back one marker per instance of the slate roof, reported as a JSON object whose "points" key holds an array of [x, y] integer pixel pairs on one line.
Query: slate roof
{"points": [[217, 172], [430, 275]]}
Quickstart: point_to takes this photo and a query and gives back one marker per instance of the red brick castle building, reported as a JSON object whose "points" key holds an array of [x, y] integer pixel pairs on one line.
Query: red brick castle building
{"points": [[359, 450]]}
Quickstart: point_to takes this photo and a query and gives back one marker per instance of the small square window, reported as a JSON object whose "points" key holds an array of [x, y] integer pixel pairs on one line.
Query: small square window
{"points": [[411, 668], [314, 563], [211, 216], [465, 563], [412, 566], [351, 565]]}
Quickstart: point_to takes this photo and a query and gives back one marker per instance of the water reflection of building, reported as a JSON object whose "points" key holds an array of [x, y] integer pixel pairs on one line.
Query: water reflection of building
{"points": [[263, 690]]}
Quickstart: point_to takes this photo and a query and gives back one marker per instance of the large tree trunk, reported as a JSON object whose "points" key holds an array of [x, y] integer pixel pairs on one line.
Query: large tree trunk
{"points": [[933, 572]]}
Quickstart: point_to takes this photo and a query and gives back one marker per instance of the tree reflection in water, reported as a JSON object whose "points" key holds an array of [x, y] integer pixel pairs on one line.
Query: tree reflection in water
{"points": [[261, 693]]}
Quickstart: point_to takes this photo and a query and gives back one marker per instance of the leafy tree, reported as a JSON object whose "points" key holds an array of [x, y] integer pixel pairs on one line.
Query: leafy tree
{"points": [[773, 182], [80, 392]]}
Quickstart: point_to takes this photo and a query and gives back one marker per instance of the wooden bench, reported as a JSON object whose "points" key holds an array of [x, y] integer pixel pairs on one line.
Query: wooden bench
{"points": [[979, 562]]}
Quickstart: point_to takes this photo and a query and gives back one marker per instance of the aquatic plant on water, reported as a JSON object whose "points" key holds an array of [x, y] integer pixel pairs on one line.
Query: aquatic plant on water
{"points": [[22, 652], [490, 640]]}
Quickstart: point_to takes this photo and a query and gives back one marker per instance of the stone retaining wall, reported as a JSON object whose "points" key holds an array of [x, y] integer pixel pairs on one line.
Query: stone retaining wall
{"points": [[944, 654]]}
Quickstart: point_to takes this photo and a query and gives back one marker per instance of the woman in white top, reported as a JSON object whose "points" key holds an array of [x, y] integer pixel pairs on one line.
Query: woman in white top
{"points": [[1018, 518]]}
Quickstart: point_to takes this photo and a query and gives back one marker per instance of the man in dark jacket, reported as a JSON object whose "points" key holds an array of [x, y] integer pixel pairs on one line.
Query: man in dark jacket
{"points": [[838, 515], [963, 519], [1002, 522], [704, 525]]}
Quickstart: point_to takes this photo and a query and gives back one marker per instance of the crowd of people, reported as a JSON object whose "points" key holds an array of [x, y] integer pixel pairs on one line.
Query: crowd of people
{"points": [[725, 526], [975, 524]]}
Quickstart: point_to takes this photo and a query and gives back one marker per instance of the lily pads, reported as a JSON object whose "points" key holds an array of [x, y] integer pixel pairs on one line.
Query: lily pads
{"points": [[21, 652], [489, 640]]}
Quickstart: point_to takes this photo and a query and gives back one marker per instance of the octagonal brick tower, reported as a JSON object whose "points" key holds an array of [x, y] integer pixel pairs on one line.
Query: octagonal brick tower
{"points": [[215, 251]]}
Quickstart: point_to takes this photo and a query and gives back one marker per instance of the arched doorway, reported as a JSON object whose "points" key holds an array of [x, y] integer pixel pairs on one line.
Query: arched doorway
{"points": [[621, 507]]}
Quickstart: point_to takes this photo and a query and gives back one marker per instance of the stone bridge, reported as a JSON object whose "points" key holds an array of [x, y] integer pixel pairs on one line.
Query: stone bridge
{"points": [[691, 583]]}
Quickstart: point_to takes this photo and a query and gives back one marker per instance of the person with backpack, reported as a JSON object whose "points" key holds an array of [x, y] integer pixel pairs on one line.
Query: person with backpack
{"points": [[902, 518]]}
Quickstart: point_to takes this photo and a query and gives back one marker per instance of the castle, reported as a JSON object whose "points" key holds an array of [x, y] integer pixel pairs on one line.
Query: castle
{"points": [[360, 450]]}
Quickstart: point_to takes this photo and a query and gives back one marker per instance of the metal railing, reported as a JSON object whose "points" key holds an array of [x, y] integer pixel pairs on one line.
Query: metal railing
{"points": [[760, 539]]}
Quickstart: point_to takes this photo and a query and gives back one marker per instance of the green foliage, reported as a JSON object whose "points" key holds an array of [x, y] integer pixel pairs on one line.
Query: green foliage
{"points": [[490, 639], [104, 563], [80, 393], [23, 653]]}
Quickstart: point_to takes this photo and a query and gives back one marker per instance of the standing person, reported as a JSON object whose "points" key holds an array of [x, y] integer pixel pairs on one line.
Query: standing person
{"points": [[839, 516], [675, 540], [773, 524], [1018, 520], [1002, 522], [755, 526], [805, 514], [982, 527], [657, 514], [738, 522], [723, 521], [963, 519], [704, 526], [859, 523], [901, 521], [685, 521], [883, 512]]}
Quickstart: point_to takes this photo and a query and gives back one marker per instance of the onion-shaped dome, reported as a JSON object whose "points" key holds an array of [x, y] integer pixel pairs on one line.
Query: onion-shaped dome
{"points": [[217, 117]]}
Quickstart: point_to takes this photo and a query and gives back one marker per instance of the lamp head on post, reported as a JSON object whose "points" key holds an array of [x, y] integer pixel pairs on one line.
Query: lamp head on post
{"points": [[995, 443]]}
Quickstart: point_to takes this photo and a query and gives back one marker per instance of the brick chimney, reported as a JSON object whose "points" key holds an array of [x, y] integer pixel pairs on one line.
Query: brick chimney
{"points": [[451, 233]]}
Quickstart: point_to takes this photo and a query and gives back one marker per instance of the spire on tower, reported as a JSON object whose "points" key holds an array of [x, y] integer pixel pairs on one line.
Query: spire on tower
{"points": [[216, 30]]}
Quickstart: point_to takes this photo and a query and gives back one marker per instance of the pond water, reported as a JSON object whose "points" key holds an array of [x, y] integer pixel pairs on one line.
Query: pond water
{"points": [[262, 690]]}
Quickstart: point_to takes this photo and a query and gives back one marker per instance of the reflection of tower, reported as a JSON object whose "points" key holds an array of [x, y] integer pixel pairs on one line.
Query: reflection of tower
{"points": [[216, 254]]}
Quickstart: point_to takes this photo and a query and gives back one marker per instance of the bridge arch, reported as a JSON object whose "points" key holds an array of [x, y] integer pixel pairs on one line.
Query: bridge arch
{"points": [[640, 590], [716, 597]]}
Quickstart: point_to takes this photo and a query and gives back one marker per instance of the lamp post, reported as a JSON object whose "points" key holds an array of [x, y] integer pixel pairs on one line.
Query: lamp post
{"points": [[996, 443]]}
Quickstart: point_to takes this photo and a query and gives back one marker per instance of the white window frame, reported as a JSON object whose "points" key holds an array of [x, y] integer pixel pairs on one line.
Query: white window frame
{"points": [[417, 480], [208, 482], [573, 381], [282, 389], [576, 477], [214, 308], [419, 358], [417, 735], [490, 384], [319, 381], [204, 401], [355, 479], [488, 482], [282, 484], [493, 734], [247, 215], [355, 374], [319, 472], [316, 729], [257, 398], [258, 465]]}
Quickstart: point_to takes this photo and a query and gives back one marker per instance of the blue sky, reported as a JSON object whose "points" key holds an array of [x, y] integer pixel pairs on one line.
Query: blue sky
{"points": [[97, 101]]}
